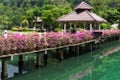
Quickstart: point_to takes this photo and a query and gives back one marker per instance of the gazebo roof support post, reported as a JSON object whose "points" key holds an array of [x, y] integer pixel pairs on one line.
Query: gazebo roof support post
{"points": [[65, 25], [70, 25], [84, 24], [91, 28], [78, 24], [94, 26], [75, 25], [99, 26]]}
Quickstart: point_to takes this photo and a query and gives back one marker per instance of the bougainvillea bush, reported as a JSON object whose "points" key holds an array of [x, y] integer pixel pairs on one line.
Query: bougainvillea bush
{"points": [[16, 43], [110, 32], [2, 45]]}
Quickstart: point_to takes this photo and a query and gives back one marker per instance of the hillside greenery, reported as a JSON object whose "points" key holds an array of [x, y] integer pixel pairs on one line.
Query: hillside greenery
{"points": [[23, 12]]}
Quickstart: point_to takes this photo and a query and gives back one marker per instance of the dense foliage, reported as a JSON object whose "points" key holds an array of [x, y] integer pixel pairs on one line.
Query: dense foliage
{"points": [[15, 12]]}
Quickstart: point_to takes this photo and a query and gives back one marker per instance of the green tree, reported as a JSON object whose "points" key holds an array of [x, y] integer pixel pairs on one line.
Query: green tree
{"points": [[29, 16], [36, 13], [51, 12], [113, 16]]}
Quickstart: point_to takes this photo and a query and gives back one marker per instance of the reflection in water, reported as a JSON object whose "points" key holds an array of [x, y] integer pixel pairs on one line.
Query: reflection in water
{"points": [[85, 72], [80, 67], [11, 70]]}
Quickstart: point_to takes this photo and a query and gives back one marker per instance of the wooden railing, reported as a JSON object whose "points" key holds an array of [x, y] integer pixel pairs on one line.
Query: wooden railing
{"points": [[47, 49]]}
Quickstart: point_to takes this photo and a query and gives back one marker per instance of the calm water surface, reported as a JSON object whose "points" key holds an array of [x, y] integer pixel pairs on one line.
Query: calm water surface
{"points": [[87, 66]]}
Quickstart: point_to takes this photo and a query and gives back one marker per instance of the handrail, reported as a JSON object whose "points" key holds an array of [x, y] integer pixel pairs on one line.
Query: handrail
{"points": [[22, 53]]}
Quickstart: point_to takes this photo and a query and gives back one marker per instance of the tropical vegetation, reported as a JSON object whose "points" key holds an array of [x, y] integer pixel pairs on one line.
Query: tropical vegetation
{"points": [[23, 12]]}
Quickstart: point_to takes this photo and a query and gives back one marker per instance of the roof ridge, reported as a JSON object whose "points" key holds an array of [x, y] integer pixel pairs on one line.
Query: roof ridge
{"points": [[64, 16], [90, 14], [85, 4], [82, 4], [99, 16]]}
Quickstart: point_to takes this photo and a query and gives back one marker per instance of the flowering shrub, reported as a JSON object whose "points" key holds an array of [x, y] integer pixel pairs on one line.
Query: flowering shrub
{"points": [[13, 47], [52, 39], [63, 39], [23, 43], [2, 45], [110, 32], [37, 42], [30, 44], [7, 46]]}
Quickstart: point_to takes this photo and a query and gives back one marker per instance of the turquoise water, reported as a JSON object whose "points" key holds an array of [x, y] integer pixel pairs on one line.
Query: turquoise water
{"points": [[109, 69], [87, 66]]}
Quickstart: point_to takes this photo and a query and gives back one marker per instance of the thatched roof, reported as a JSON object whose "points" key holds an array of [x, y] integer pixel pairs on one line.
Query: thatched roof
{"points": [[84, 16], [81, 13]]}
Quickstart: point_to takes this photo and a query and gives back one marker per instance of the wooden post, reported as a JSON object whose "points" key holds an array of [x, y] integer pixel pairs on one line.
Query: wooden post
{"points": [[80, 49], [67, 50], [20, 64], [74, 50], [119, 37], [98, 45], [4, 73], [77, 50], [61, 52], [91, 45], [45, 58], [38, 61], [114, 38]]}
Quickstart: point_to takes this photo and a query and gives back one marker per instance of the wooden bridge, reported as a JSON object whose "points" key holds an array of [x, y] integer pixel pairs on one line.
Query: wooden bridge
{"points": [[75, 47]]}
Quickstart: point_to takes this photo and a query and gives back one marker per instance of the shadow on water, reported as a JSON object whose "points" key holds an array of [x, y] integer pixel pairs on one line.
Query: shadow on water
{"points": [[81, 67]]}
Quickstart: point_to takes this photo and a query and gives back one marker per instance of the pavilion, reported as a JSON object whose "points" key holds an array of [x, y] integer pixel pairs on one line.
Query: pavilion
{"points": [[37, 22], [81, 13]]}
